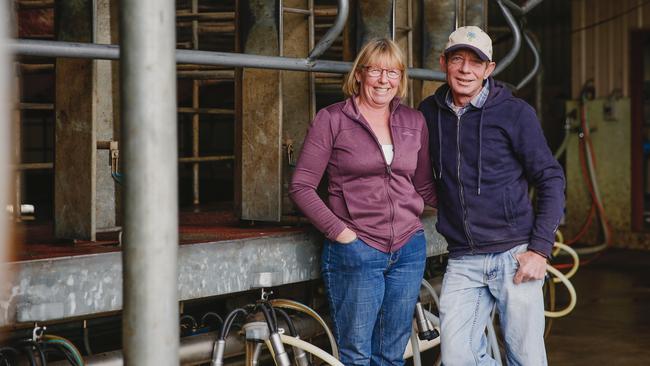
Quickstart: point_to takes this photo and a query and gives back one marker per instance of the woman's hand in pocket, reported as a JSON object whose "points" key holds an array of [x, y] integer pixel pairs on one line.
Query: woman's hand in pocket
{"points": [[346, 236]]}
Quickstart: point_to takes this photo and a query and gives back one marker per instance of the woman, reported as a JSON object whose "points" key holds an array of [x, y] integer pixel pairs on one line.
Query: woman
{"points": [[375, 151]]}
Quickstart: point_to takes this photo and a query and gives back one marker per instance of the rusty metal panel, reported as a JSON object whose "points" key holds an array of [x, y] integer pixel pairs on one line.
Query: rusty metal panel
{"points": [[74, 133], [296, 95], [261, 156], [609, 133], [374, 20]]}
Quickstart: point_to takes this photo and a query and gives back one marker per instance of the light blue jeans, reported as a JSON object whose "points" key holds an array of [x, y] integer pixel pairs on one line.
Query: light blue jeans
{"points": [[472, 285], [372, 298]]}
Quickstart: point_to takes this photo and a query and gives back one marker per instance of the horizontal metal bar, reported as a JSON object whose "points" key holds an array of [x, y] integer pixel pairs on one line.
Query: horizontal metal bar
{"points": [[297, 11], [111, 52], [207, 74], [208, 28], [33, 166], [188, 15], [36, 106], [35, 4], [205, 110], [326, 12], [204, 159], [34, 68]]}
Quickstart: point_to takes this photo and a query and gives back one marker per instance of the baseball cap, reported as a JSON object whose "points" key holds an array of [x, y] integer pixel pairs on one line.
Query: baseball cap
{"points": [[471, 37]]}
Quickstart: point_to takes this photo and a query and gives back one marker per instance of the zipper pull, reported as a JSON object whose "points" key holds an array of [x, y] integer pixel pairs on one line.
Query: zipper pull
{"points": [[388, 170]]}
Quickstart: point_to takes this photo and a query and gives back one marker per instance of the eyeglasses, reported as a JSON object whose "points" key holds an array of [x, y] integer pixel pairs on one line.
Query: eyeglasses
{"points": [[459, 60], [376, 72]]}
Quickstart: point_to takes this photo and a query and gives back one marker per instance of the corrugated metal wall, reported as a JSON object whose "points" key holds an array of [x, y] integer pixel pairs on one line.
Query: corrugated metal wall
{"points": [[600, 38]]}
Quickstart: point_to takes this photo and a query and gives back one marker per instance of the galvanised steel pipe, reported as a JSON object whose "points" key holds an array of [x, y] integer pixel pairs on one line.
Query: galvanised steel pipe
{"points": [[516, 39], [149, 133], [111, 52], [536, 63], [5, 137], [524, 9], [332, 33]]}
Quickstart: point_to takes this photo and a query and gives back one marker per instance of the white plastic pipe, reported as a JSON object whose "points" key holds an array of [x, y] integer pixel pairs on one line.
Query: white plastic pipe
{"points": [[310, 348], [572, 293], [294, 305], [576, 261]]}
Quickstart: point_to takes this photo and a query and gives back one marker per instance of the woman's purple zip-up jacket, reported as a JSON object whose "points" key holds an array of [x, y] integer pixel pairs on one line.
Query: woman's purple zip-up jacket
{"points": [[484, 162], [381, 203]]}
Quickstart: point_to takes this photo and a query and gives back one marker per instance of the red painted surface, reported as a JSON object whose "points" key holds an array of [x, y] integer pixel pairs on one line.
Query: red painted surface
{"points": [[38, 241], [36, 23]]}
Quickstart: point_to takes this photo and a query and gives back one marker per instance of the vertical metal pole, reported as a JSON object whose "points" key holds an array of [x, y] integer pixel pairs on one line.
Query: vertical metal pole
{"points": [[16, 121], [312, 77], [195, 106], [5, 133], [409, 47], [148, 79]]}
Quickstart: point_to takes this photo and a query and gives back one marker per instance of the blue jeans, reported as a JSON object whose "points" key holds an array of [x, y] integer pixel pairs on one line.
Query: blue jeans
{"points": [[472, 285], [372, 298]]}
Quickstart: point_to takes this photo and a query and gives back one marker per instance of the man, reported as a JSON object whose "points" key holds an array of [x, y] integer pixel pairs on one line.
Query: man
{"points": [[486, 147]]}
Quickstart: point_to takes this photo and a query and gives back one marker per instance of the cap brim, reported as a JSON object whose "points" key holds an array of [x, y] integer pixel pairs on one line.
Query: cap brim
{"points": [[461, 46]]}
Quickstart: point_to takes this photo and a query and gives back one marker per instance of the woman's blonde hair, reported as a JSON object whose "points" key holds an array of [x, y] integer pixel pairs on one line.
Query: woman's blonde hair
{"points": [[373, 53]]}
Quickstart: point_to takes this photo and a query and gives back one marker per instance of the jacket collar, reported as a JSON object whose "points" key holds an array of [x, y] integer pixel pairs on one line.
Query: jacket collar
{"points": [[351, 109]]}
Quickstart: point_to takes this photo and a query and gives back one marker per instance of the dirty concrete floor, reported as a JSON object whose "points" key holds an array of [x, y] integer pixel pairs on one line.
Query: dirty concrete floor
{"points": [[611, 322]]}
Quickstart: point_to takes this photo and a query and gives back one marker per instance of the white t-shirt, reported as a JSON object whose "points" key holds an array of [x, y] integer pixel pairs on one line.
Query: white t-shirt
{"points": [[388, 152]]}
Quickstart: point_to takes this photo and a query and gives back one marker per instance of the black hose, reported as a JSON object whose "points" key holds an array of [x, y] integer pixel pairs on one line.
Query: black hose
{"points": [[287, 319], [270, 320], [213, 315], [30, 354], [8, 354], [29, 346], [228, 322], [61, 350], [187, 317]]}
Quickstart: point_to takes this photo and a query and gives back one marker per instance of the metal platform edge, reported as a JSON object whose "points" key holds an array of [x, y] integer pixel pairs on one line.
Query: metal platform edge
{"points": [[68, 287]]}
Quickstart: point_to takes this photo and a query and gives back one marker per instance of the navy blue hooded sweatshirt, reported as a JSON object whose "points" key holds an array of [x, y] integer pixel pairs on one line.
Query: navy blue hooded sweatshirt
{"points": [[483, 163]]}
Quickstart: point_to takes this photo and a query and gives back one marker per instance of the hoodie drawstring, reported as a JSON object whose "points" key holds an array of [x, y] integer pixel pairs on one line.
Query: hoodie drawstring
{"points": [[480, 151], [439, 146]]}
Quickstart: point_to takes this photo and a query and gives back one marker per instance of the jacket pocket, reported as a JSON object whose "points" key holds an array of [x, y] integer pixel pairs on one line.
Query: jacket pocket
{"points": [[509, 207], [365, 200]]}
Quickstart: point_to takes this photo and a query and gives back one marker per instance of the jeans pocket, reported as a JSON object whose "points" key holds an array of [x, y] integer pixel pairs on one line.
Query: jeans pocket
{"points": [[516, 250]]}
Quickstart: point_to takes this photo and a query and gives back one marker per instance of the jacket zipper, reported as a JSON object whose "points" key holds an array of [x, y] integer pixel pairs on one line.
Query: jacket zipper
{"points": [[460, 185], [390, 200], [389, 172]]}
